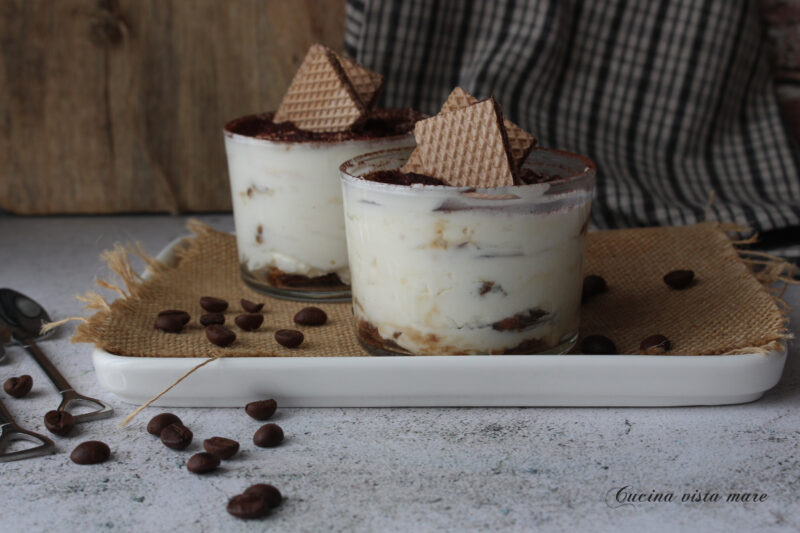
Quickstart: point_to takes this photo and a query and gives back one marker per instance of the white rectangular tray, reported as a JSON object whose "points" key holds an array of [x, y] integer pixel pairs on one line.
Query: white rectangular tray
{"points": [[537, 380], [547, 380]]}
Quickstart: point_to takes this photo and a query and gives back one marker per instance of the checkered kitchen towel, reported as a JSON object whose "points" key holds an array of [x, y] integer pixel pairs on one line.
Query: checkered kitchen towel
{"points": [[671, 98]]}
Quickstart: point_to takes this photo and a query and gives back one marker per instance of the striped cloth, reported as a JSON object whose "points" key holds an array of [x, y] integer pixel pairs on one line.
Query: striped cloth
{"points": [[673, 99]]}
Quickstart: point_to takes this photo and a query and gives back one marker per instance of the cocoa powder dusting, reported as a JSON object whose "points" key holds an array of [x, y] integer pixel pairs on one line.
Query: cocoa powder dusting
{"points": [[379, 123], [396, 177]]}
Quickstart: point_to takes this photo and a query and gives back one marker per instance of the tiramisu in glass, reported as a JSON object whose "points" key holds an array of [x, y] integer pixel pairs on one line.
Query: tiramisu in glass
{"points": [[442, 269], [283, 170]]}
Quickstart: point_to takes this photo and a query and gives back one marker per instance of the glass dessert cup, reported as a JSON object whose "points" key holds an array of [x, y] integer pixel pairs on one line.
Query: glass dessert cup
{"points": [[439, 270], [287, 207]]}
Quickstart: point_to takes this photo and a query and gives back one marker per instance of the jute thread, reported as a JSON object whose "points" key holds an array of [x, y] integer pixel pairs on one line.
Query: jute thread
{"points": [[146, 404]]}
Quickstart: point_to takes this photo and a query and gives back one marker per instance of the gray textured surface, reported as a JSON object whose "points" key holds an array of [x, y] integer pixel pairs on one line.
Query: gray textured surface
{"points": [[380, 469]]}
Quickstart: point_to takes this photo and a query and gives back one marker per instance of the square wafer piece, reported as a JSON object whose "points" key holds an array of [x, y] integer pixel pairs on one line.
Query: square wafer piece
{"points": [[467, 147], [520, 141], [320, 97], [457, 99], [367, 84]]}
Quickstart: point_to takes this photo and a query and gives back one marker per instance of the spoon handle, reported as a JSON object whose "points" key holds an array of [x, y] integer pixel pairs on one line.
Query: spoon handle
{"points": [[10, 431], [68, 394], [48, 367]]}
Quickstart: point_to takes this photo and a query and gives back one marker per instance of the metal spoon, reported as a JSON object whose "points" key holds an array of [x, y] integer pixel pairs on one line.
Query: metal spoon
{"points": [[10, 431], [25, 318]]}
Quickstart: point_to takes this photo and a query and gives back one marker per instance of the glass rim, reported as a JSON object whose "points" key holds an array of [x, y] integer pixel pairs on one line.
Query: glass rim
{"points": [[583, 177]]}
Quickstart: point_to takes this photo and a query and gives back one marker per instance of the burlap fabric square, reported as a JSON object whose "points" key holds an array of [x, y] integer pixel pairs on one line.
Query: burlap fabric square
{"points": [[730, 309]]}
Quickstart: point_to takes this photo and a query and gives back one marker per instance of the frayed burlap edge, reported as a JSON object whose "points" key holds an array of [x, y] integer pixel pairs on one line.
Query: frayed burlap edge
{"points": [[118, 260], [774, 273]]}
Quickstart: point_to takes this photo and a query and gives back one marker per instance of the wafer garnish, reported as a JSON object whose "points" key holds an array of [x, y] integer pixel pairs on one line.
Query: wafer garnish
{"points": [[321, 97], [520, 141], [467, 147], [366, 83]]}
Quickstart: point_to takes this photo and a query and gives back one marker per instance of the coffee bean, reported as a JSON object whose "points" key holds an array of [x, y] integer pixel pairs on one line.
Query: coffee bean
{"points": [[90, 452], [311, 316], [18, 386], [213, 305], [251, 307], [268, 436], [268, 493], [249, 322], [176, 436], [160, 421], [212, 318], [261, 410], [221, 447], [679, 279], [598, 345], [291, 338], [183, 316], [592, 286], [655, 345], [220, 335], [247, 506], [169, 323], [59, 422], [202, 463]]}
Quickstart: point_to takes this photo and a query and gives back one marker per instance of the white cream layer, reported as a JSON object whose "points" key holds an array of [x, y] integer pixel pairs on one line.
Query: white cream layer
{"points": [[287, 202]]}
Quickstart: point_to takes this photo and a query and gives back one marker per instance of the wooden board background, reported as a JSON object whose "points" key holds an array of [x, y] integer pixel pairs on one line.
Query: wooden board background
{"points": [[117, 105]]}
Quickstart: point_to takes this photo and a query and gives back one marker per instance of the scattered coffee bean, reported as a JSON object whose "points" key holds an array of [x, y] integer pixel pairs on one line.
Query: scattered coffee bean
{"points": [[592, 286], [311, 316], [213, 305], [183, 316], [59, 422], [655, 345], [251, 307], [679, 279], [221, 447], [268, 493], [249, 322], [160, 421], [18, 386], [268, 436], [202, 463], [261, 410], [598, 345], [212, 318], [247, 506], [176, 436], [90, 452], [169, 323], [220, 335], [291, 338]]}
